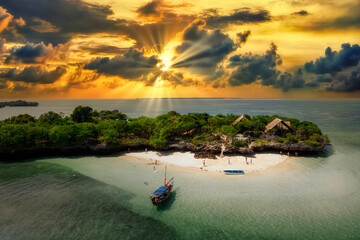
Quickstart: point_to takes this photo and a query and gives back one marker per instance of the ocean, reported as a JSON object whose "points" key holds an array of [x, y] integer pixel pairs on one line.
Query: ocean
{"points": [[92, 197]]}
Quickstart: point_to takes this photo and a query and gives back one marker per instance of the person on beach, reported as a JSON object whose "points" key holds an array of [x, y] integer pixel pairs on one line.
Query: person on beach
{"points": [[145, 149], [229, 161], [280, 153], [251, 161], [204, 163], [246, 161]]}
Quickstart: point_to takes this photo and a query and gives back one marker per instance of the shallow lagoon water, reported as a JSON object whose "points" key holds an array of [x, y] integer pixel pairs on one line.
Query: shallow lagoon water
{"points": [[108, 197]]}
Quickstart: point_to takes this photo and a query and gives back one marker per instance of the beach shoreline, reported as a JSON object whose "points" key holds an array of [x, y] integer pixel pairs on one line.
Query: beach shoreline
{"points": [[255, 163]]}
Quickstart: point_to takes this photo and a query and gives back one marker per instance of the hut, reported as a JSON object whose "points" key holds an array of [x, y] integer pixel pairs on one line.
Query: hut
{"points": [[277, 122], [239, 119]]}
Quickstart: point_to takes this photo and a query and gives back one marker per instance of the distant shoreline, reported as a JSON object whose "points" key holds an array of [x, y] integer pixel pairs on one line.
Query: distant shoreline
{"points": [[18, 103]]}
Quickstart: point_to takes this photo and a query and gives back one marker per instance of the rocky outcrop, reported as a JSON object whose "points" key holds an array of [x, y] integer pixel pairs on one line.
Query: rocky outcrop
{"points": [[201, 151], [295, 147], [208, 155], [240, 137]]}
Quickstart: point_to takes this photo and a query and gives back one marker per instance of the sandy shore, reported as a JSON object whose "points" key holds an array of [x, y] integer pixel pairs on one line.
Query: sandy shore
{"points": [[257, 162]]}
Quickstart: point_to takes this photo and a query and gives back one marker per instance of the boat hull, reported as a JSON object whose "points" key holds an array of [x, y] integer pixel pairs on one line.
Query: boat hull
{"points": [[234, 172], [158, 199]]}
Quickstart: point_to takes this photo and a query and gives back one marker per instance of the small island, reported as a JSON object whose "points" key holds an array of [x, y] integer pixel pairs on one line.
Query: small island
{"points": [[87, 131], [18, 103]]}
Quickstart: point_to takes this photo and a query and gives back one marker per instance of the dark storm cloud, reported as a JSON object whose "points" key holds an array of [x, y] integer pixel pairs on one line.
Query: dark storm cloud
{"points": [[150, 9], [67, 17], [71, 17], [131, 65], [34, 74], [33, 54], [347, 82], [330, 72], [202, 50], [300, 13], [238, 17], [243, 37], [288, 81], [334, 61], [323, 79], [250, 68], [103, 49]]}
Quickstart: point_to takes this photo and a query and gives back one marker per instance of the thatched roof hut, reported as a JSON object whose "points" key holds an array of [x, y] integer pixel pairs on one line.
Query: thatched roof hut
{"points": [[277, 122], [239, 119]]}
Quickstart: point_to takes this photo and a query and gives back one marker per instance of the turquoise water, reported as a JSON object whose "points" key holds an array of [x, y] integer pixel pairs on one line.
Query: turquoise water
{"points": [[108, 197]]}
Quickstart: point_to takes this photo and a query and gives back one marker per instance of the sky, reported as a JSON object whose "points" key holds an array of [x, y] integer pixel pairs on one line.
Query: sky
{"points": [[179, 49]]}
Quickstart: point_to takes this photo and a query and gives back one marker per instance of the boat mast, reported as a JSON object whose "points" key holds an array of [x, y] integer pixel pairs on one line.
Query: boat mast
{"points": [[165, 177]]}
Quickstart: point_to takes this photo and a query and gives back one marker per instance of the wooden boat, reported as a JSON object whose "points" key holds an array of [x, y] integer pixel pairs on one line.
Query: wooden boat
{"points": [[163, 192], [234, 172]]}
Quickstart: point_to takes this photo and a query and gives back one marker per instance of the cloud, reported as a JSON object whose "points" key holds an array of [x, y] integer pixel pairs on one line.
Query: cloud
{"points": [[36, 53], [243, 37], [34, 74], [349, 20], [288, 81], [238, 17], [323, 79], [2, 46], [202, 50], [80, 79], [42, 26], [151, 9], [155, 36], [301, 13], [5, 19], [69, 18], [346, 82], [132, 65], [103, 49], [334, 61], [57, 21], [250, 68]]}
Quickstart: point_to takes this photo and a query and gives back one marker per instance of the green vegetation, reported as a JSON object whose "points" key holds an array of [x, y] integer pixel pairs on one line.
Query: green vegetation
{"points": [[239, 144], [86, 126]]}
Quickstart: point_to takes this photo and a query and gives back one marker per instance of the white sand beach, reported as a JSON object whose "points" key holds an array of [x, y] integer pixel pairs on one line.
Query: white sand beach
{"points": [[256, 162]]}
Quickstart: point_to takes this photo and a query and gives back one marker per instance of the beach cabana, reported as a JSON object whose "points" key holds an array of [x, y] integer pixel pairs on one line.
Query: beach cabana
{"points": [[277, 122], [239, 119]]}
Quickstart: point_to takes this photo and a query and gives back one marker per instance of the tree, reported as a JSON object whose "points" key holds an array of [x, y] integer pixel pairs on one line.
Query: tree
{"points": [[82, 114], [21, 119], [49, 117]]}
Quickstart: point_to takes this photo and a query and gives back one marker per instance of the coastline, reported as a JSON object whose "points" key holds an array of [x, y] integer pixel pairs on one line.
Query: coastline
{"points": [[256, 162]]}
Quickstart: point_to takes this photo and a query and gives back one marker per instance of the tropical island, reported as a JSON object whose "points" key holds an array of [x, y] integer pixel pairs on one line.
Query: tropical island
{"points": [[87, 131], [18, 103]]}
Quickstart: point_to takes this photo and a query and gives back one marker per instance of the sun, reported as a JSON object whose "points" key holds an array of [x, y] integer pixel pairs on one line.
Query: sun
{"points": [[166, 63]]}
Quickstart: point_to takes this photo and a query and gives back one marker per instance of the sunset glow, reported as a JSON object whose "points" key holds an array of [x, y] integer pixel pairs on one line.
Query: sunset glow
{"points": [[133, 49]]}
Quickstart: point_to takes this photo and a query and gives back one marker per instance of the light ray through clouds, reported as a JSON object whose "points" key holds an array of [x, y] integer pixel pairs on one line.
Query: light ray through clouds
{"points": [[201, 48]]}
